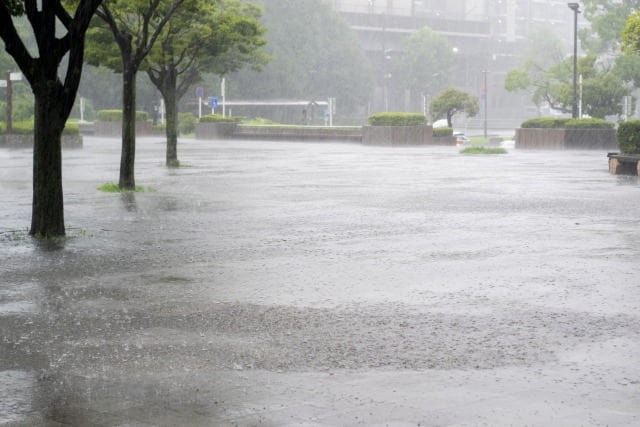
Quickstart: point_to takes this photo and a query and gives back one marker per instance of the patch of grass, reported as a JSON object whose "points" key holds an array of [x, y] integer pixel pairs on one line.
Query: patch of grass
{"points": [[174, 163], [478, 140], [112, 187], [14, 235], [483, 150]]}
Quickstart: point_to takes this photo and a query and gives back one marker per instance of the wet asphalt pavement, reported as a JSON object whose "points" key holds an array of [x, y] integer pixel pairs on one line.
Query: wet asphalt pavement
{"points": [[323, 284]]}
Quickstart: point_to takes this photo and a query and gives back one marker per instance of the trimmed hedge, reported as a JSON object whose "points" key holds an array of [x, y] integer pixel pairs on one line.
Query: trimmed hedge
{"points": [[442, 132], [545, 123], [186, 123], [566, 123], [397, 119], [25, 127], [71, 129], [116, 116], [219, 118], [628, 137], [589, 124]]}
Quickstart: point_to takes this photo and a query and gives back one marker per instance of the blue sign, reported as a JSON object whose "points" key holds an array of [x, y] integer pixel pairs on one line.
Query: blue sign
{"points": [[199, 92], [213, 101]]}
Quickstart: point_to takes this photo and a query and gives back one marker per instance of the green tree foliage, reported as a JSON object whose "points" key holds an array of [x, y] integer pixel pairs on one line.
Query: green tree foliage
{"points": [[548, 76], [631, 33], [202, 36], [316, 55], [53, 69], [450, 102], [607, 19], [426, 66], [135, 25]]}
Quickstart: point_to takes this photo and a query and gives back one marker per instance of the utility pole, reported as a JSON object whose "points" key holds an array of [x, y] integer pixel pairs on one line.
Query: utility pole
{"points": [[484, 101], [9, 104], [576, 9]]}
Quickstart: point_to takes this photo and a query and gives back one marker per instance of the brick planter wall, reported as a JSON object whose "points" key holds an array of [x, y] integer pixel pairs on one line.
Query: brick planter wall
{"points": [[26, 141], [397, 135], [215, 130], [298, 133], [114, 129], [444, 140], [566, 139]]}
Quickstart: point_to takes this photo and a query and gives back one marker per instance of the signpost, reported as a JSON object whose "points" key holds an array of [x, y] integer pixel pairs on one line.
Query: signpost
{"points": [[200, 95], [223, 89], [213, 103], [9, 78]]}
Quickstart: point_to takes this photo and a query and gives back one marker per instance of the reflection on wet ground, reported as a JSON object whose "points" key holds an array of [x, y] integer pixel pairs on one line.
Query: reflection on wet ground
{"points": [[325, 284]]}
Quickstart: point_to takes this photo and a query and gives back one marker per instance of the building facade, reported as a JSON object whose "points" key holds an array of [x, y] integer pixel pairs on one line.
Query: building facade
{"points": [[486, 35]]}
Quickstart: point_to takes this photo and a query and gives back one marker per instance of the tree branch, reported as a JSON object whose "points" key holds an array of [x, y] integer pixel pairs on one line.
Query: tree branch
{"points": [[13, 44]]}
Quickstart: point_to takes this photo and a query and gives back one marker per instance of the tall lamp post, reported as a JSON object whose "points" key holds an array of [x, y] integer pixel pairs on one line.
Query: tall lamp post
{"points": [[484, 101], [576, 9]]}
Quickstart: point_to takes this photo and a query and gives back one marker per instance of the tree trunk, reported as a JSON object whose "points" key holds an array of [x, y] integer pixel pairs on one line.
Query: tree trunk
{"points": [[128, 155], [47, 215], [171, 106]]}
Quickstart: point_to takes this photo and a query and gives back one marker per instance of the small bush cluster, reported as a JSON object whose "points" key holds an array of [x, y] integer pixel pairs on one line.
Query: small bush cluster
{"points": [[589, 124], [116, 116], [483, 150], [442, 132], [260, 121], [397, 119], [219, 118], [566, 123], [628, 136], [186, 123], [545, 123], [71, 129], [25, 127]]}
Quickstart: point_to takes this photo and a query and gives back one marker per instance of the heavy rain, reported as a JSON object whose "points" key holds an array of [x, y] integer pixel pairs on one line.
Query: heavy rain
{"points": [[286, 271]]}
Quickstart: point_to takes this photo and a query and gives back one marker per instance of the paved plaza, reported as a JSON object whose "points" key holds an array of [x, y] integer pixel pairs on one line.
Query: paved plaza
{"points": [[323, 284]]}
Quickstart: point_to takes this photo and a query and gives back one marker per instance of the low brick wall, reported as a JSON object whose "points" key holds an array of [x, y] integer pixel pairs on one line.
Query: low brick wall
{"points": [[620, 164], [298, 133], [444, 140], [566, 139], [114, 129], [26, 141], [397, 135], [215, 130]]}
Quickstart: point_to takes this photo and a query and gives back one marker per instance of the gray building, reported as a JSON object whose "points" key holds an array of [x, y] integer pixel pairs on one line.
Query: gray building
{"points": [[487, 35]]}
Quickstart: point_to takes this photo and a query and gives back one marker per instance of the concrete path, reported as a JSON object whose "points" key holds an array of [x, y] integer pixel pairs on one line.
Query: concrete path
{"points": [[323, 284]]}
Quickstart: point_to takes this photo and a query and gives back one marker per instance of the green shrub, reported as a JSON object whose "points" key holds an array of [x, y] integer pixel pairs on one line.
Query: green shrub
{"points": [[397, 119], [483, 150], [116, 116], [566, 123], [186, 123], [219, 118], [545, 123], [71, 129], [259, 121], [442, 132], [23, 127], [589, 124], [628, 136]]}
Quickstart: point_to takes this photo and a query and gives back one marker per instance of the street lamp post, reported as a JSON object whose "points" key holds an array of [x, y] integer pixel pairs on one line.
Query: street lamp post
{"points": [[576, 9], [484, 101]]}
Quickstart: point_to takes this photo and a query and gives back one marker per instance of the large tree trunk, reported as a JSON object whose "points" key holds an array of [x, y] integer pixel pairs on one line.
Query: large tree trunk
{"points": [[128, 155], [47, 216], [171, 105]]}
